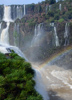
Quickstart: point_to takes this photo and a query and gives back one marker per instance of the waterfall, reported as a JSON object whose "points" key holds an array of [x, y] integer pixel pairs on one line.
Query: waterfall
{"points": [[37, 35], [5, 35], [56, 37], [66, 31], [66, 35], [18, 12], [60, 7], [40, 85], [14, 15], [49, 7], [24, 10], [52, 24], [7, 14]]}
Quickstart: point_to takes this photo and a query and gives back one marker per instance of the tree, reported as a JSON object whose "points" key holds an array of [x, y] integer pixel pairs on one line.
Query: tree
{"points": [[52, 1]]}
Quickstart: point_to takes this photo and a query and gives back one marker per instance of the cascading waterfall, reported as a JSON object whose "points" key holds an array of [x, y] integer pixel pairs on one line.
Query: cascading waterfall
{"points": [[7, 14], [24, 10], [52, 24], [7, 18], [13, 12], [5, 35], [14, 16], [66, 35], [40, 85], [56, 37], [18, 10], [60, 7], [37, 34]]}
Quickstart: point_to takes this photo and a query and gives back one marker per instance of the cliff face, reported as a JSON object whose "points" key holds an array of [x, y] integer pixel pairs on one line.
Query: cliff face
{"points": [[40, 41], [42, 31]]}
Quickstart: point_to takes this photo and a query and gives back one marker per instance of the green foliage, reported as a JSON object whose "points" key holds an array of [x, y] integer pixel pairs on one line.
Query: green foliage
{"points": [[50, 1], [51, 14], [61, 20], [31, 22], [15, 34], [16, 79]]}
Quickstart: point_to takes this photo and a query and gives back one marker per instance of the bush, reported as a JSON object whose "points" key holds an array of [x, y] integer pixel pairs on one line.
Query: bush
{"points": [[16, 79]]}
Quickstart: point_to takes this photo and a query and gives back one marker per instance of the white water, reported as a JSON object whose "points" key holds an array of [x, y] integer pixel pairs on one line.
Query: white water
{"points": [[66, 35], [66, 31], [56, 37], [24, 10], [18, 15], [40, 85], [60, 7], [37, 35], [64, 76], [20, 12], [52, 24], [5, 35], [7, 14]]}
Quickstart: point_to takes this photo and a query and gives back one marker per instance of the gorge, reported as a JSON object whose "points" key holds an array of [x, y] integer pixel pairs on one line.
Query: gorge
{"points": [[46, 45]]}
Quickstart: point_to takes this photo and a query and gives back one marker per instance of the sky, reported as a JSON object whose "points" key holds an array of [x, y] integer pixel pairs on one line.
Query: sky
{"points": [[10, 2]]}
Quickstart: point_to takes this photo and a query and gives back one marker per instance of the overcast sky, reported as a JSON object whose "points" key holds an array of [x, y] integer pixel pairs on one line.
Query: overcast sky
{"points": [[9, 2]]}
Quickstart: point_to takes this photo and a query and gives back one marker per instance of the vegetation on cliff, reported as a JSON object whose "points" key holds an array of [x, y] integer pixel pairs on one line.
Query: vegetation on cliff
{"points": [[48, 11], [16, 79]]}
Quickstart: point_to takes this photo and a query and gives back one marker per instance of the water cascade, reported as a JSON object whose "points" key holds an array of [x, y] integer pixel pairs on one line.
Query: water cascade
{"points": [[24, 10], [52, 24], [37, 35], [56, 37], [7, 14], [40, 85], [66, 35], [5, 35], [17, 11], [14, 13], [60, 7]]}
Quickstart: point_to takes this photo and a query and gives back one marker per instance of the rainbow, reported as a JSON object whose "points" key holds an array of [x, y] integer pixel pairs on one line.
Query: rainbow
{"points": [[61, 52]]}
